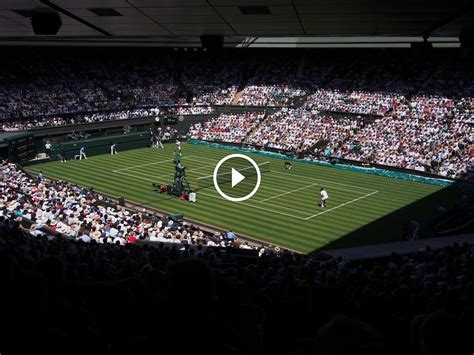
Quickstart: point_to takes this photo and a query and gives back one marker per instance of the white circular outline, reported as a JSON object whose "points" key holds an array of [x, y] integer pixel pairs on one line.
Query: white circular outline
{"points": [[236, 199]]}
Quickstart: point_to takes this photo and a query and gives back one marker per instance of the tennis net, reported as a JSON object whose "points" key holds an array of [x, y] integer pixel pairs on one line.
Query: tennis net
{"points": [[224, 178]]}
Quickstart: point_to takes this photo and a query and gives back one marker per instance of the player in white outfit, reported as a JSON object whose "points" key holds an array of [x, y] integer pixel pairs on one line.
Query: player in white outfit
{"points": [[324, 197], [82, 153]]}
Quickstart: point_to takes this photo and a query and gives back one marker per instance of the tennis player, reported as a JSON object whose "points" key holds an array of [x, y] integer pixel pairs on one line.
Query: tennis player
{"points": [[158, 140], [324, 197], [82, 153]]}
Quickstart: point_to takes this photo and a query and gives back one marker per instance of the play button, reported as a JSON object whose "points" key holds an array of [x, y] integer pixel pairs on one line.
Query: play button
{"points": [[243, 174], [236, 177]]}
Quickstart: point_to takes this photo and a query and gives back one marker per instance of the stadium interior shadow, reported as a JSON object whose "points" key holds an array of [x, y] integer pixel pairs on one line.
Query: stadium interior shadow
{"points": [[395, 226]]}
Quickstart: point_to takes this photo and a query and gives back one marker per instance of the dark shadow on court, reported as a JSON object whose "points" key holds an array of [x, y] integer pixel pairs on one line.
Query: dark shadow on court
{"points": [[397, 226]]}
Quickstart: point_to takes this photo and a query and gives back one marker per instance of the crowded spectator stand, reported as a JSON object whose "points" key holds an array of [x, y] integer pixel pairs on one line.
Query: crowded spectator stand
{"points": [[428, 102], [396, 302]]}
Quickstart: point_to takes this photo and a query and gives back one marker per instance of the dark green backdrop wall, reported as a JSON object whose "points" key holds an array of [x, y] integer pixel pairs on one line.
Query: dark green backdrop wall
{"points": [[102, 145]]}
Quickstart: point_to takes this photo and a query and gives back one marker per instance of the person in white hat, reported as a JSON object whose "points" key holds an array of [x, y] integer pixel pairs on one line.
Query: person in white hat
{"points": [[34, 230]]}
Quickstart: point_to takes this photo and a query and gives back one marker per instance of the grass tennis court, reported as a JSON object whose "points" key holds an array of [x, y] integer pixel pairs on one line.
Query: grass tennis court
{"points": [[363, 209]]}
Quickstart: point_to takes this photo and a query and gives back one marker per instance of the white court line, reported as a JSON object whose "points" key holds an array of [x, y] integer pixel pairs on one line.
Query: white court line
{"points": [[247, 168], [139, 166], [318, 181], [137, 177], [288, 192], [261, 187], [309, 178], [120, 171], [285, 208], [268, 209], [218, 197], [202, 167], [137, 173], [328, 181], [342, 205], [264, 187], [257, 207]]}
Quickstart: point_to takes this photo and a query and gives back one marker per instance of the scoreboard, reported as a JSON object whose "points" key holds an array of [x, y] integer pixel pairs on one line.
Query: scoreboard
{"points": [[21, 147], [170, 120]]}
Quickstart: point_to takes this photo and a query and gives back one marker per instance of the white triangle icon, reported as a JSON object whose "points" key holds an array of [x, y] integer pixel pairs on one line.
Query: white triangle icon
{"points": [[236, 177]]}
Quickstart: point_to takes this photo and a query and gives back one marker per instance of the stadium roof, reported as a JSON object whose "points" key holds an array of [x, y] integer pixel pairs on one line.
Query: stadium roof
{"points": [[175, 21]]}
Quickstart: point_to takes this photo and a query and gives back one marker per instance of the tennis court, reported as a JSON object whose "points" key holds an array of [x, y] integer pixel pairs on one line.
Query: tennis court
{"points": [[284, 211]]}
